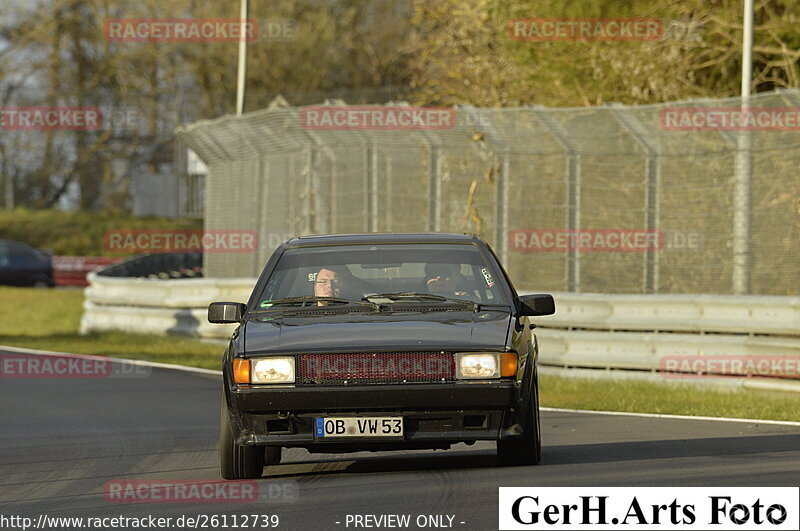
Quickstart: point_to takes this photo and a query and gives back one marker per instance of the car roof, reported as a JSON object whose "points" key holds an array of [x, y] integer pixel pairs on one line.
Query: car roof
{"points": [[15, 242], [378, 237]]}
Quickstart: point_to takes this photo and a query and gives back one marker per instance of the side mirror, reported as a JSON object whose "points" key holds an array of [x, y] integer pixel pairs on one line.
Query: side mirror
{"points": [[539, 304], [226, 312]]}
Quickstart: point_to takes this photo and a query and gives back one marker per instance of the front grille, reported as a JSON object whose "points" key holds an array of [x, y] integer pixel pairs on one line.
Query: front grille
{"points": [[365, 368]]}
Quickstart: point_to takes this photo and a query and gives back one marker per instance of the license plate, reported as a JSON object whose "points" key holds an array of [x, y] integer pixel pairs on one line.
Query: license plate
{"points": [[358, 427]]}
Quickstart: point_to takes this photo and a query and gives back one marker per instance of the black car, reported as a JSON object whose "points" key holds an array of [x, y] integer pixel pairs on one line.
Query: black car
{"points": [[379, 342], [22, 265]]}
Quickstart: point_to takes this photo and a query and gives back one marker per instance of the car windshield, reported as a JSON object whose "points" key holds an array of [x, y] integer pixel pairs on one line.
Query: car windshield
{"points": [[384, 273]]}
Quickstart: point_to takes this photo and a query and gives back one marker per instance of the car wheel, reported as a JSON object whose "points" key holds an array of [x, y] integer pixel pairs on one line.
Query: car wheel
{"points": [[236, 461], [527, 449], [41, 284], [272, 455]]}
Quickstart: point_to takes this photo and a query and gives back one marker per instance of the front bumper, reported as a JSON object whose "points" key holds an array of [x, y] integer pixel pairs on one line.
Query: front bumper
{"points": [[434, 415]]}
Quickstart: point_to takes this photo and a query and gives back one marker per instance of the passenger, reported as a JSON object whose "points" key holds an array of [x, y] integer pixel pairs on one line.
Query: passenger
{"points": [[445, 280]]}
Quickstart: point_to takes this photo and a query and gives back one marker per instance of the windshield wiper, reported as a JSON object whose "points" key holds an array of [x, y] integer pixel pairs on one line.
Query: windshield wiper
{"points": [[398, 296], [310, 301], [412, 296]]}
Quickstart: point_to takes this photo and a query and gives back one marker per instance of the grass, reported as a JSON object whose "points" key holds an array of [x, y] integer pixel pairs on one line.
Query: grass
{"points": [[49, 320], [666, 399]]}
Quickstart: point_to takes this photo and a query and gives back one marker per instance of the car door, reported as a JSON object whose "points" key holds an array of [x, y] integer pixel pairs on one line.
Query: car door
{"points": [[25, 266], [5, 264]]}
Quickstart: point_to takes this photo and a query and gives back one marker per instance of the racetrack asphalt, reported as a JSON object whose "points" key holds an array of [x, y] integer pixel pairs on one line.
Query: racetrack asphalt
{"points": [[62, 439]]}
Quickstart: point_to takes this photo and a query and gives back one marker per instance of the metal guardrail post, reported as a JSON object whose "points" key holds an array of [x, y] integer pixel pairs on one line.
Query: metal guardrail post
{"points": [[573, 189], [652, 189]]}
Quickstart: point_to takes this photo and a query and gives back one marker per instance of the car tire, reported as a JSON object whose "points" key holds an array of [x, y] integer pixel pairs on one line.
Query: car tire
{"points": [[272, 455], [527, 449], [237, 461]]}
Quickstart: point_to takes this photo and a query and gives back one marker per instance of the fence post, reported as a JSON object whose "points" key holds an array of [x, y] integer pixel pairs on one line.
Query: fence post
{"points": [[434, 188], [742, 202], [573, 189], [732, 140], [497, 143], [501, 207], [652, 189], [372, 187], [389, 191], [308, 209], [257, 258]]}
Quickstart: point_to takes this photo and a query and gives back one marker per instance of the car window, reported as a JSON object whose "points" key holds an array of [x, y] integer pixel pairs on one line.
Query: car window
{"points": [[354, 271], [19, 257], [4, 258]]}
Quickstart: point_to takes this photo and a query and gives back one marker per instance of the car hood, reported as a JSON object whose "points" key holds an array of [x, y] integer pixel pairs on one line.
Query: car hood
{"points": [[407, 331]]}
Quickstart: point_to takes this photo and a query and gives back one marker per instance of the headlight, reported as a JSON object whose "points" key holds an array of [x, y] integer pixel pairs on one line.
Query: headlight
{"points": [[277, 370], [481, 365]]}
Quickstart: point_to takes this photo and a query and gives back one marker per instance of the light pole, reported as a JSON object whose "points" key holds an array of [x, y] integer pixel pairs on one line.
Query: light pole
{"points": [[242, 70], [743, 172]]}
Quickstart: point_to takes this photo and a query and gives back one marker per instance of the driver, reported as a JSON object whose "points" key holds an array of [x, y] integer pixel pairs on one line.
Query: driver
{"points": [[327, 283]]}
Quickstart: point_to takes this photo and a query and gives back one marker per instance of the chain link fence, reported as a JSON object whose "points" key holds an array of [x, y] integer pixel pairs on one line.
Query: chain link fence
{"points": [[566, 197]]}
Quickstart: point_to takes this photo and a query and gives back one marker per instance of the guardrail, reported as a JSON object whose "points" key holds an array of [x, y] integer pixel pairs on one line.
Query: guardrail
{"points": [[677, 313], [148, 306], [633, 332], [647, 332]]}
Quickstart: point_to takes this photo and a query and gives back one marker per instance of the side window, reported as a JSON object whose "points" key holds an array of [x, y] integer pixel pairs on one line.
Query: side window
{"points": [[22, 258], [4, 258]]}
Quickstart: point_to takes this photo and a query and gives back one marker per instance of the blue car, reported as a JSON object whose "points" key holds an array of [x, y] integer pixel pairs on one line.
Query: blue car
{"points": [[22, 265]]}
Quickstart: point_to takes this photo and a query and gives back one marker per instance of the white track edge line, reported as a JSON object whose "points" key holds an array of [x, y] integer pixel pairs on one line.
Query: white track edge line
{"points": [[141, 363], [665, 416]]}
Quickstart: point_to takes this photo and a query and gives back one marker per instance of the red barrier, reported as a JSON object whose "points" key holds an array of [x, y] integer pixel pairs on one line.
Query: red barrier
{"points": [[72, 270]]}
